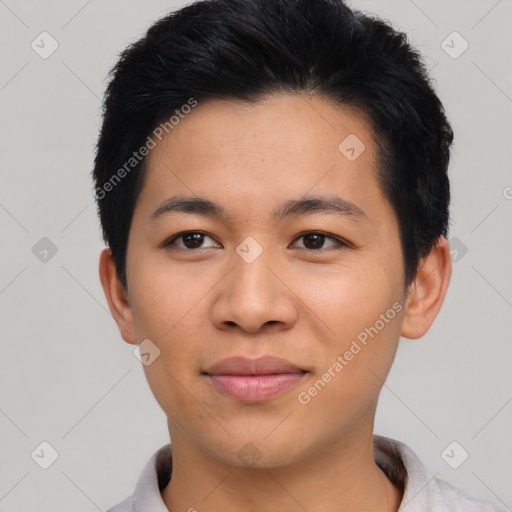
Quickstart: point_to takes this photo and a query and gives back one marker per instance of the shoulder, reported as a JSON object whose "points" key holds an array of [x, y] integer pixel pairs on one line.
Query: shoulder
{"points": [[124, 506], [455, 500], [422, 491], [146, 496]]}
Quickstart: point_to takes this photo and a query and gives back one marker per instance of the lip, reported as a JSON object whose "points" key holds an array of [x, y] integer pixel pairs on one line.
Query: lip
{"points": [[245, 366], [253, 380]]}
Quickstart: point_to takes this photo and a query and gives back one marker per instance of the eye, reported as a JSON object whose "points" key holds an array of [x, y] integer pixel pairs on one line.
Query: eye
{"points": [[314, 240], [189, 239]]}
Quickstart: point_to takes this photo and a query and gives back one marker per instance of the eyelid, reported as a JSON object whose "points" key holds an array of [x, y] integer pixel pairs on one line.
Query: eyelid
{"points": [[339, 240], [170, 241], [342, 242]]}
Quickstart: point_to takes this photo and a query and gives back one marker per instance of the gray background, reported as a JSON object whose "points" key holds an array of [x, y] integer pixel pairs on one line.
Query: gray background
{"points": [[67, 377]]}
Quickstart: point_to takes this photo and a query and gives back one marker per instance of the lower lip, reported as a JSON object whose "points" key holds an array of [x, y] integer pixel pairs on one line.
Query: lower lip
{"points": [[254, 388]]}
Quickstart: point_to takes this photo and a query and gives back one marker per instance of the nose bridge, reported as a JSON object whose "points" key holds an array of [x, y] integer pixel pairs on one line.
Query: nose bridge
{"points": [[252, 273], [253, 295]]}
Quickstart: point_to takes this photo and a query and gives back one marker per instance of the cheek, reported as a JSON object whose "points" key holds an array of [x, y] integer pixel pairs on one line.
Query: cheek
{"points": [[363, 313], [166, 297], [357, 363], [170, 309], [346, 299]]}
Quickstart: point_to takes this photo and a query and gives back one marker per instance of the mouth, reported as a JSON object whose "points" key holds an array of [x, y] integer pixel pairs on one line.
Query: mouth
{"points": [[253, 380]]}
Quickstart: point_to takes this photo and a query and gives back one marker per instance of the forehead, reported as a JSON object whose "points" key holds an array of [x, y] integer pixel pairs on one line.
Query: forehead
{"points": [[297, 123], [253, 153]]}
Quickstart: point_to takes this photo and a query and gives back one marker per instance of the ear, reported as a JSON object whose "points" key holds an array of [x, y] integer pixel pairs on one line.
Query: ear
{"points": [[426, 293], [117, 297]]}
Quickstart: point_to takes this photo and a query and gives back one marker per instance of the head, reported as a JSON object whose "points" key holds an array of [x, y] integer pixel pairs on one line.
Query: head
{"points": [[310, 153]]}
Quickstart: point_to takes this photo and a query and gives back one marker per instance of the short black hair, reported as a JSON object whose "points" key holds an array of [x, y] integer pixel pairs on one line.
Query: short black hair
{"points": [[247, 49]]}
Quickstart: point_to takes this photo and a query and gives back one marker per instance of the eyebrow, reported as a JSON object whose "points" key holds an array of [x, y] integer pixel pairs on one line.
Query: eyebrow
{"points": [[305, 206]]}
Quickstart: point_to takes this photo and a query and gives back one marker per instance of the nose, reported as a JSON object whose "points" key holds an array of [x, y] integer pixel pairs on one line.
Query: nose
{"points": [[255, 295]]}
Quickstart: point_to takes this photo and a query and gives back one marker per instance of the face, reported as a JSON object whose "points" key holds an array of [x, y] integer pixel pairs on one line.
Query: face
{"points": [[268, 270]]}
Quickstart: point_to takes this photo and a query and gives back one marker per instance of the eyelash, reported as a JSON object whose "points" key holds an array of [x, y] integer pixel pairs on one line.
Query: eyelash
{"points": [[341, 243]]}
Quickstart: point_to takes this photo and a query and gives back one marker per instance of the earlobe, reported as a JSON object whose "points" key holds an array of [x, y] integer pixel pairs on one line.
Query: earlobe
{"points": [[117, 297], [428, 290]]}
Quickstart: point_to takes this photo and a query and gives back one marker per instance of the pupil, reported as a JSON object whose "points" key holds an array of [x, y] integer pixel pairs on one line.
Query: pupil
{"points": [[193, 239], [317, 241]]}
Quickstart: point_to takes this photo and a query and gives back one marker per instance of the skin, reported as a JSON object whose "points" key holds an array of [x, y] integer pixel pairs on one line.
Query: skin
{"points": [[295, 301]]}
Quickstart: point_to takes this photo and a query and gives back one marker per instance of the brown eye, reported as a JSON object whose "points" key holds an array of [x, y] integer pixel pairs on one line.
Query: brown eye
{"points": [[315, 240], [189, 240]]}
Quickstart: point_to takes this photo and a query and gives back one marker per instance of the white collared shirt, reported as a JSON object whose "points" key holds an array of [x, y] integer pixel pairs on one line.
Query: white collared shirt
{"points": [[422, 492]]}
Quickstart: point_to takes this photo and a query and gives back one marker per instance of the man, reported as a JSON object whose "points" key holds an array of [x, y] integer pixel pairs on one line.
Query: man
{"points": [[271, 178]]}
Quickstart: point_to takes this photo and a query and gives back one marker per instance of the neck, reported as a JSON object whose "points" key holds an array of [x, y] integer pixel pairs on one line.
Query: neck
{"points": [[338, 478]]}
